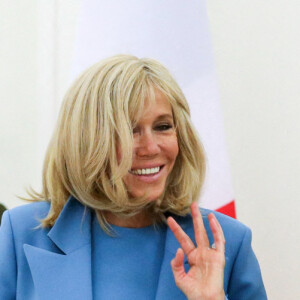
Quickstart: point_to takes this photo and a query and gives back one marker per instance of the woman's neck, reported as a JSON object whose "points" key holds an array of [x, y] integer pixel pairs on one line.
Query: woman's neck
{"points": [[137, 221]]}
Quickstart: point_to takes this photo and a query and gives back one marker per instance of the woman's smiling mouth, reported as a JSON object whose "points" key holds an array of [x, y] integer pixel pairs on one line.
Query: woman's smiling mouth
{"points": [[146, 171]]}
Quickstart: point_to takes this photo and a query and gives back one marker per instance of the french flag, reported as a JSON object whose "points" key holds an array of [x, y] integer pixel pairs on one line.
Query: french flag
{"points": [[176, 33]]}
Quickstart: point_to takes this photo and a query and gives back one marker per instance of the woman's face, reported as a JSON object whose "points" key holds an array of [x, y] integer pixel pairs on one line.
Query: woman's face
{"points": [[155, 150]]}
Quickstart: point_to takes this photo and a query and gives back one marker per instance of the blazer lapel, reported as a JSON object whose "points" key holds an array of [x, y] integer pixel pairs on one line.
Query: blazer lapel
{"points": [[167, 288], [64, 275]]}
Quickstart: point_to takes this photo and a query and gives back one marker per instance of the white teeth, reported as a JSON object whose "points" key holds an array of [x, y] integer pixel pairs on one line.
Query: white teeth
{"points": [[145, 171]]}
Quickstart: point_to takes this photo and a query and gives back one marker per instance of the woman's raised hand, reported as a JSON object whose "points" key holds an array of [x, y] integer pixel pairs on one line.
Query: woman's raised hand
{"points": [[205, 278]]}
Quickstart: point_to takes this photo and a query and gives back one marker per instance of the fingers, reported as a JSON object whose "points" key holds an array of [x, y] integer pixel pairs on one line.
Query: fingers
{"points": [[183, 239], [177, 266], [200, 232], [217, 233]]}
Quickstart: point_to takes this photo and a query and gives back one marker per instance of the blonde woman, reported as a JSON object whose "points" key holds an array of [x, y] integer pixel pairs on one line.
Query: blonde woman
{"points": [[117, 217]]}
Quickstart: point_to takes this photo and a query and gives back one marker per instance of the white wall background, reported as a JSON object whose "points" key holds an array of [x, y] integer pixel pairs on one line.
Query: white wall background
{"points": [[18, 110], [257, 46], [257, 50]]}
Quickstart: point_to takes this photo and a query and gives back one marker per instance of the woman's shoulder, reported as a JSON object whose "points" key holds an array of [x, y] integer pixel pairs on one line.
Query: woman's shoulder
{"points": [[234, 231], [225, 221], [28, 215], [228, 224]]}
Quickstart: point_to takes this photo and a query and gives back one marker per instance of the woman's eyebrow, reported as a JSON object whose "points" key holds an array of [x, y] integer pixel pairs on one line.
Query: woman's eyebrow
{"points": [[164, 117]]}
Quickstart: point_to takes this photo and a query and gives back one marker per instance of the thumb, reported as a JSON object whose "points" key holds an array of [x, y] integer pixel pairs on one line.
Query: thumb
{"points": [[177, 267]]}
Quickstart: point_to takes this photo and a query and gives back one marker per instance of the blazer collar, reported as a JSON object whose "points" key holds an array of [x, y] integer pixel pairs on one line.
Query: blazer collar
{"points": [[72, 229]]}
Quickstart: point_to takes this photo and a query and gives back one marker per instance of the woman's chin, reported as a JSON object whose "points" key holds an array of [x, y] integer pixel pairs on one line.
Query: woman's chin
{"points": [[151, 196]]}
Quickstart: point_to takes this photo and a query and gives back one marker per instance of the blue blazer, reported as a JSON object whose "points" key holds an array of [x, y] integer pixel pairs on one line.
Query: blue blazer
{"points": [[55, 263]]}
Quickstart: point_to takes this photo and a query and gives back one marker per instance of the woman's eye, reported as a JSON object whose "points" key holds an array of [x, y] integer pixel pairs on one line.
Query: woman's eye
{"points": [[163, 127], [135, 130]]}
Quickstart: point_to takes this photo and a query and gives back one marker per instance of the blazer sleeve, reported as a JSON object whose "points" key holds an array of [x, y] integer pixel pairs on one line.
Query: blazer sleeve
{"points": [[8, 265], [246, 281]]}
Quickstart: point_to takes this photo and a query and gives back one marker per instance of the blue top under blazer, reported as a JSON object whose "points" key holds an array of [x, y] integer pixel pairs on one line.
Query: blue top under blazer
{"points": [[55, 263]]}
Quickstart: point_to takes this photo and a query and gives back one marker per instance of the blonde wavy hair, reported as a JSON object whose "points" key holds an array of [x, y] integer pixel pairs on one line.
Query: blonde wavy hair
{"points": [[99, 111]]}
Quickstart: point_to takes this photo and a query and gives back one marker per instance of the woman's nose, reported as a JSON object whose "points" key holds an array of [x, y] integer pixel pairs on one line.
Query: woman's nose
{"points": [[147, 145]]}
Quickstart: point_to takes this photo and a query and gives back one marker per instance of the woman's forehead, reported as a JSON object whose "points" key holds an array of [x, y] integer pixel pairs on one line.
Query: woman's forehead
{"points": [[158, 106]]}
